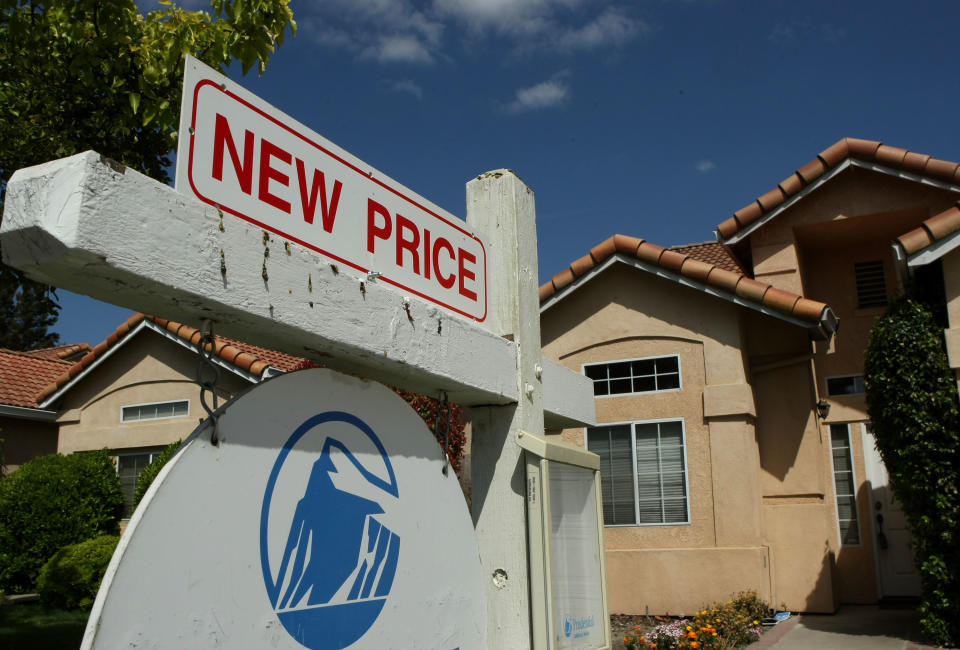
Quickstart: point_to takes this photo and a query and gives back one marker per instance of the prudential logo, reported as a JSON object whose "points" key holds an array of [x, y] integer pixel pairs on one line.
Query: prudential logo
{"points": [[327, 550]]}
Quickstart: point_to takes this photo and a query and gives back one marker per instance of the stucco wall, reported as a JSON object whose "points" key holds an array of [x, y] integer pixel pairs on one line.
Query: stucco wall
{"points": [[626, 313], [25, 439], [145, 370]]}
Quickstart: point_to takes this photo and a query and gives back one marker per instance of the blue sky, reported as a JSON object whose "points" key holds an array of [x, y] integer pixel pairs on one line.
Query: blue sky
{"points": [[653, 118]]}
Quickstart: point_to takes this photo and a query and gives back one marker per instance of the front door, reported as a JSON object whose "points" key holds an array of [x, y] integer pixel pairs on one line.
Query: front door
{"points": [[898, 575]]}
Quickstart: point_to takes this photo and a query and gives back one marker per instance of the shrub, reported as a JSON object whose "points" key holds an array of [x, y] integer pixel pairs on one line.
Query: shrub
{"points": [[915, 413], [50, 502], [145, 479], [716, 627], [70, 579]]}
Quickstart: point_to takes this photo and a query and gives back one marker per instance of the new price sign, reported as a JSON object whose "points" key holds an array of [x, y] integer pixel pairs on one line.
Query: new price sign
{"points": [[249, 159]]}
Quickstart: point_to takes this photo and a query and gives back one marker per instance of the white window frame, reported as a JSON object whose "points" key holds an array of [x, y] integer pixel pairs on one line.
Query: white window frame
{"points": [[853, 480], [164, 417], [636, 489], [584, 366], [856, 374]]}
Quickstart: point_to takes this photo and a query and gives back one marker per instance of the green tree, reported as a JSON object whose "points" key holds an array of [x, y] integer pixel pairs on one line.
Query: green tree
{"points": [[97, 74], [915, 413]]}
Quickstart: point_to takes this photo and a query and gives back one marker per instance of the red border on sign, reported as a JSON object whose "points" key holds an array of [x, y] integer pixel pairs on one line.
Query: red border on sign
{"points": [[245, 217]]}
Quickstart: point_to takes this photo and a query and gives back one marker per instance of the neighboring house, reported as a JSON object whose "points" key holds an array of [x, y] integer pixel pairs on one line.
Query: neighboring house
{"points": [[26, 429], [133, 394], [733, 432]]}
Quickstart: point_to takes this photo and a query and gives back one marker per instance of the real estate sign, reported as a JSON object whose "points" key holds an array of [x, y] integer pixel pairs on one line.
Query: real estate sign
{"points": [[250, 160], [321, 520]]}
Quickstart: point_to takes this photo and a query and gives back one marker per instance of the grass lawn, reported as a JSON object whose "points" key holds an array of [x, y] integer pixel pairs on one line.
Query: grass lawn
{"points": [[34, 627]]}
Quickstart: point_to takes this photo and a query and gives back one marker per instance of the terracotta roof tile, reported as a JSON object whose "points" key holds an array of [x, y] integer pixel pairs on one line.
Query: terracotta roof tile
{"points": [[712, 264], [866, 150], [247, 357], [60, 352], [713, 253], [932, 230], [23, 376]]}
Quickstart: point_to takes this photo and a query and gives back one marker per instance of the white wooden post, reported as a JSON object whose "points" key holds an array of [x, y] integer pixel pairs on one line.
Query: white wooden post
{"points": [[501, 207]]}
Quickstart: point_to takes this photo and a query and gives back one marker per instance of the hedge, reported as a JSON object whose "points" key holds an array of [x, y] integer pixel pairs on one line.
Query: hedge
{"points": [[50, 502], [71, 578], [915, 413]]}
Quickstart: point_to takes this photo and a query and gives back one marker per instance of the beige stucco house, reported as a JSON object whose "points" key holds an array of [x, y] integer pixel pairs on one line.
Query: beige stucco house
{"points": [[733, 434], [133, 394]]}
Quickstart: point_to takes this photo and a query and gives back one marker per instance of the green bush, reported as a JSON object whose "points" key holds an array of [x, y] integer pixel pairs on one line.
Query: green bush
{"points": [[50, 502], [70, 579], [913, 405], [150, 471]]}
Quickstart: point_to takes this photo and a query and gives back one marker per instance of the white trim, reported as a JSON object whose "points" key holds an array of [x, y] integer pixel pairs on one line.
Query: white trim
{"points": [[826, 324], [853, 480], [868, 479], [583, 367], [934, 251], [633, 453], [27, 413], [149, 324], [164, 417], [848, 162]]}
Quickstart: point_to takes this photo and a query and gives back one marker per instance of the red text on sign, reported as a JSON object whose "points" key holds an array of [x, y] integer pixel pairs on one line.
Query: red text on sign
{"points": [[413, 245], [274, 181]]}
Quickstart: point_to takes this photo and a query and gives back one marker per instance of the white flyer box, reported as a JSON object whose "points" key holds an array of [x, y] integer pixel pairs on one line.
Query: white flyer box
{"points": [[249, 159]]}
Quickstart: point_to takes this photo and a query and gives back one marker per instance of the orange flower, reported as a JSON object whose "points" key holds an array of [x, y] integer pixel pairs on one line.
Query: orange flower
{"points": [[694, 644], [626, 639], [692, 635]]}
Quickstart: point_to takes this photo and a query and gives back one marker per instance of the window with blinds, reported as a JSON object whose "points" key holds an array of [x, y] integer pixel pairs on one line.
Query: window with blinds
{"points": [[635, 376], [844, 484], [643, 472], [129, 467], [871, 284], [155, 411]]}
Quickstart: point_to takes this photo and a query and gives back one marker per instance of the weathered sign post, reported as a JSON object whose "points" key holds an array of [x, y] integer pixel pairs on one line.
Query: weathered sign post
{"points": [[287, 241]]}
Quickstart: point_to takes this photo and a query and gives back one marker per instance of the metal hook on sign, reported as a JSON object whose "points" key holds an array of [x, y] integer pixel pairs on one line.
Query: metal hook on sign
{"points": [[208, 375]]}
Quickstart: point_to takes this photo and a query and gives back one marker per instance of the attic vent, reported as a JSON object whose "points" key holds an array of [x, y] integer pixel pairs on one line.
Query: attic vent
{"points": [[871, 285]]}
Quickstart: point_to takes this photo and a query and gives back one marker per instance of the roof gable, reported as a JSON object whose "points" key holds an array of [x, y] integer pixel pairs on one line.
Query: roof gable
{"points": [[249, 361], [696, 273], [847, 152]]}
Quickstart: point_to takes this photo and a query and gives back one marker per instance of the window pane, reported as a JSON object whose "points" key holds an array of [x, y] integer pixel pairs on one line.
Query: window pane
{"points": [[621, 369], [644, 367], [131, 413], [668, 382], [644, 384], [668, 364], [165, 410], [620, 386], [845, 484], [852, 385], [595, 372], [180, 408], [613, 445], [129, 467]]}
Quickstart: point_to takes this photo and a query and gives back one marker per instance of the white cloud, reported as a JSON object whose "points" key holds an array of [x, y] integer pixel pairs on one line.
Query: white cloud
{"points": [[398, 49], [705, 166], [405, 86], [545, 94], [417, 31]]}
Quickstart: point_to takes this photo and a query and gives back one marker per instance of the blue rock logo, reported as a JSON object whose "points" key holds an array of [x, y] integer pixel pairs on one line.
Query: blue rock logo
{"points": [[339, 560]]}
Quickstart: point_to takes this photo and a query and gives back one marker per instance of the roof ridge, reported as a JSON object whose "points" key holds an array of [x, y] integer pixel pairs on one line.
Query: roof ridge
{"points": [[229, 350], [35, 357], [866, 150], [737, 284]]}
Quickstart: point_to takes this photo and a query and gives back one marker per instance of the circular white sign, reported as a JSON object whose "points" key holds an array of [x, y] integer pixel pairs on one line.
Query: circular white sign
{"points": [[321, 520]]}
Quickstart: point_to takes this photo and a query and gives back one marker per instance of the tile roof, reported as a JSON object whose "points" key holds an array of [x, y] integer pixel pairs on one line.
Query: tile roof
{"points": [[249, 358], [689, 266], [932, 230], [712, 252], [61, 352], [866, 150], [23, 377]]}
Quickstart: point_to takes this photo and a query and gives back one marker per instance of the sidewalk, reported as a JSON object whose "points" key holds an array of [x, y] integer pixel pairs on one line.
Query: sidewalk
{"points": [[854, 627]]}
